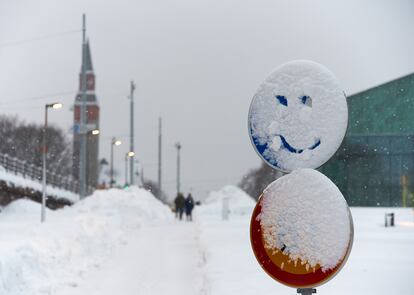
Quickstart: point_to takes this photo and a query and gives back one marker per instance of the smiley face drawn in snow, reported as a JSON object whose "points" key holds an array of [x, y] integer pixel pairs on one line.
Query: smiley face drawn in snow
{"points": [[298, 117]]}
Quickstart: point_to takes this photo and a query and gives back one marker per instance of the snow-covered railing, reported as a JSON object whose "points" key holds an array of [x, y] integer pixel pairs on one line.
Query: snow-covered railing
{"points": [[26, 170]]}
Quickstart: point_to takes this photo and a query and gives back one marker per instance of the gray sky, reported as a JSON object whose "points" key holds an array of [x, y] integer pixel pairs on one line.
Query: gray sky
{"points": [[196, 63]]}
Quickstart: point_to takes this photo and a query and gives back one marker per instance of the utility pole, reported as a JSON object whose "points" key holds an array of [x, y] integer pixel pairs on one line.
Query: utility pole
{"points": [[178, 146], [82, 127], [126, 169], [159, 156], [131, 145]]}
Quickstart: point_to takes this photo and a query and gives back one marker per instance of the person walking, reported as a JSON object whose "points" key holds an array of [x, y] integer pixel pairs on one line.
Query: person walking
{"points": [[189, 205], [179, 205]]}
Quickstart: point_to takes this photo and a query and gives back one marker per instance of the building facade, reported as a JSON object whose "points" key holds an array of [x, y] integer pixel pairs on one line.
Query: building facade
{"points": [[375, 164], [92, 121]]}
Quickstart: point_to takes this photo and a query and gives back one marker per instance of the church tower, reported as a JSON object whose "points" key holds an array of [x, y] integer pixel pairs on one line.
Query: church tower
{"points": [[92, 121]]}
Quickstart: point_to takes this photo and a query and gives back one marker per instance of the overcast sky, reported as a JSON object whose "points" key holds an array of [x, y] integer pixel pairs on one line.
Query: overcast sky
{"points": [[196, 63]]}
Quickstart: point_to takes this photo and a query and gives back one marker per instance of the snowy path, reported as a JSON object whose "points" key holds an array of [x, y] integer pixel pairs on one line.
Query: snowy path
{"points": [[162, 259]]}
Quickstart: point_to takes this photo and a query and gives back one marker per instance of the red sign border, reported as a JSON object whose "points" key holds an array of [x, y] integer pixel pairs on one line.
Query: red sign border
{"points": [[292, 280]]}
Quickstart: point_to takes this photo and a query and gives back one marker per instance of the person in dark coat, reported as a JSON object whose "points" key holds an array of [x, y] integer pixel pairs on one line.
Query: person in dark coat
{"points": [[179, 205], [189, 205]]}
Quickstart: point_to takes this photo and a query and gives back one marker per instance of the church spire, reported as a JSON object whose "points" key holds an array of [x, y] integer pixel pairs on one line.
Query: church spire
{"points": [[86, 119], [90, 78], [88, 58]]}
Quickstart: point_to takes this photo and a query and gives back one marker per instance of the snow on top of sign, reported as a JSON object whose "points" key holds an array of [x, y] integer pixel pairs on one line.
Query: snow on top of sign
{"points": [[306, 214], [298, 116]]}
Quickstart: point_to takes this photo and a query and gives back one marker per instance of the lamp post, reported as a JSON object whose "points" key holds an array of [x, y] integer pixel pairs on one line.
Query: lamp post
{"points": [[44, 152], [139, 172], [87, 190], [114, 141], [178, 146], [128, 155]]}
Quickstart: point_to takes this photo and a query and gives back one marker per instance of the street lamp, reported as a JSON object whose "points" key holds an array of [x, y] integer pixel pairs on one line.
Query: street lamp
{"points": [[116, 142], [84, 131], [44, 152], [127, 156], [57, 105]]}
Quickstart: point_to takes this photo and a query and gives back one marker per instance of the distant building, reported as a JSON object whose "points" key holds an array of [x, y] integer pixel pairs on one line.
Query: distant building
{"points": [[375, 164], [92, 145]]}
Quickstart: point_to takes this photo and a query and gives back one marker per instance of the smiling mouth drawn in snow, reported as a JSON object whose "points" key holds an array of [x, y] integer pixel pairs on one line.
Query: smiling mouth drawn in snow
{"points": [[307, 102], [301, 229], [298, 116]]}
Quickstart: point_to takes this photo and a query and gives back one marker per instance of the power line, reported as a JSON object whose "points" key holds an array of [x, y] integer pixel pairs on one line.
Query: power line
{"points": [[40, 97], [24, 107], [45, 37]]}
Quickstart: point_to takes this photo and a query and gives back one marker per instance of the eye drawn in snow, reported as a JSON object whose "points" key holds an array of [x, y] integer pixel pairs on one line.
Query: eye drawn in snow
{"points": [[298, 116], [301, 229]]}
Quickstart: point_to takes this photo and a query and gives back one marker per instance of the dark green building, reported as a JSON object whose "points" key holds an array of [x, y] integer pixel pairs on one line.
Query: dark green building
{"points": [[375, 164]]}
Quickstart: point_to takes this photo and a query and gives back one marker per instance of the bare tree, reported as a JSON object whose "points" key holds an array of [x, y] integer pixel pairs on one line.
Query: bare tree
{"points": [[24, 141], [256, 180]]}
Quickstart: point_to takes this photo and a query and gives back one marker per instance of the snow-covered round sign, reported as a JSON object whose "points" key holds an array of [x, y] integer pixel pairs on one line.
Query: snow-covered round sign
{"points": [[301, 229], [298, 116]]}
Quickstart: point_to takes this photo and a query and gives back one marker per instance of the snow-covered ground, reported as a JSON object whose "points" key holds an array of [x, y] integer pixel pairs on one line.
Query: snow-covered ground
{"points": [[19, 180], [127, 242], [381, 261], [73, 242], [158, 259]]}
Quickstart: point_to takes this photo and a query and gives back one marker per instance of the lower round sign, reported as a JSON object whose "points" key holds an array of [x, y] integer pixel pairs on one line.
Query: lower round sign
{"points": [[301, 229]]}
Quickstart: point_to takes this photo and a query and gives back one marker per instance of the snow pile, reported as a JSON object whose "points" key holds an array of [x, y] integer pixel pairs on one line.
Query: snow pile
{"points": [[304, 214], [298, 116], [122, 205], [20, 207], [240, 203], [18, 180], [43, 258]]}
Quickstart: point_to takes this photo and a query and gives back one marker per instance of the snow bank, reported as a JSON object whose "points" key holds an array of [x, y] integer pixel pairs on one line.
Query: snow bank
{"points": [[240, 203], [20, 207], [42, 258], [298, 116], [18, 180], [305, 215]]}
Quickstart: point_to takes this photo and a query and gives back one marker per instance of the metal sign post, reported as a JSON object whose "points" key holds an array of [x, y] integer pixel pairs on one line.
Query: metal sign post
{"points": [[306, 291]]}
